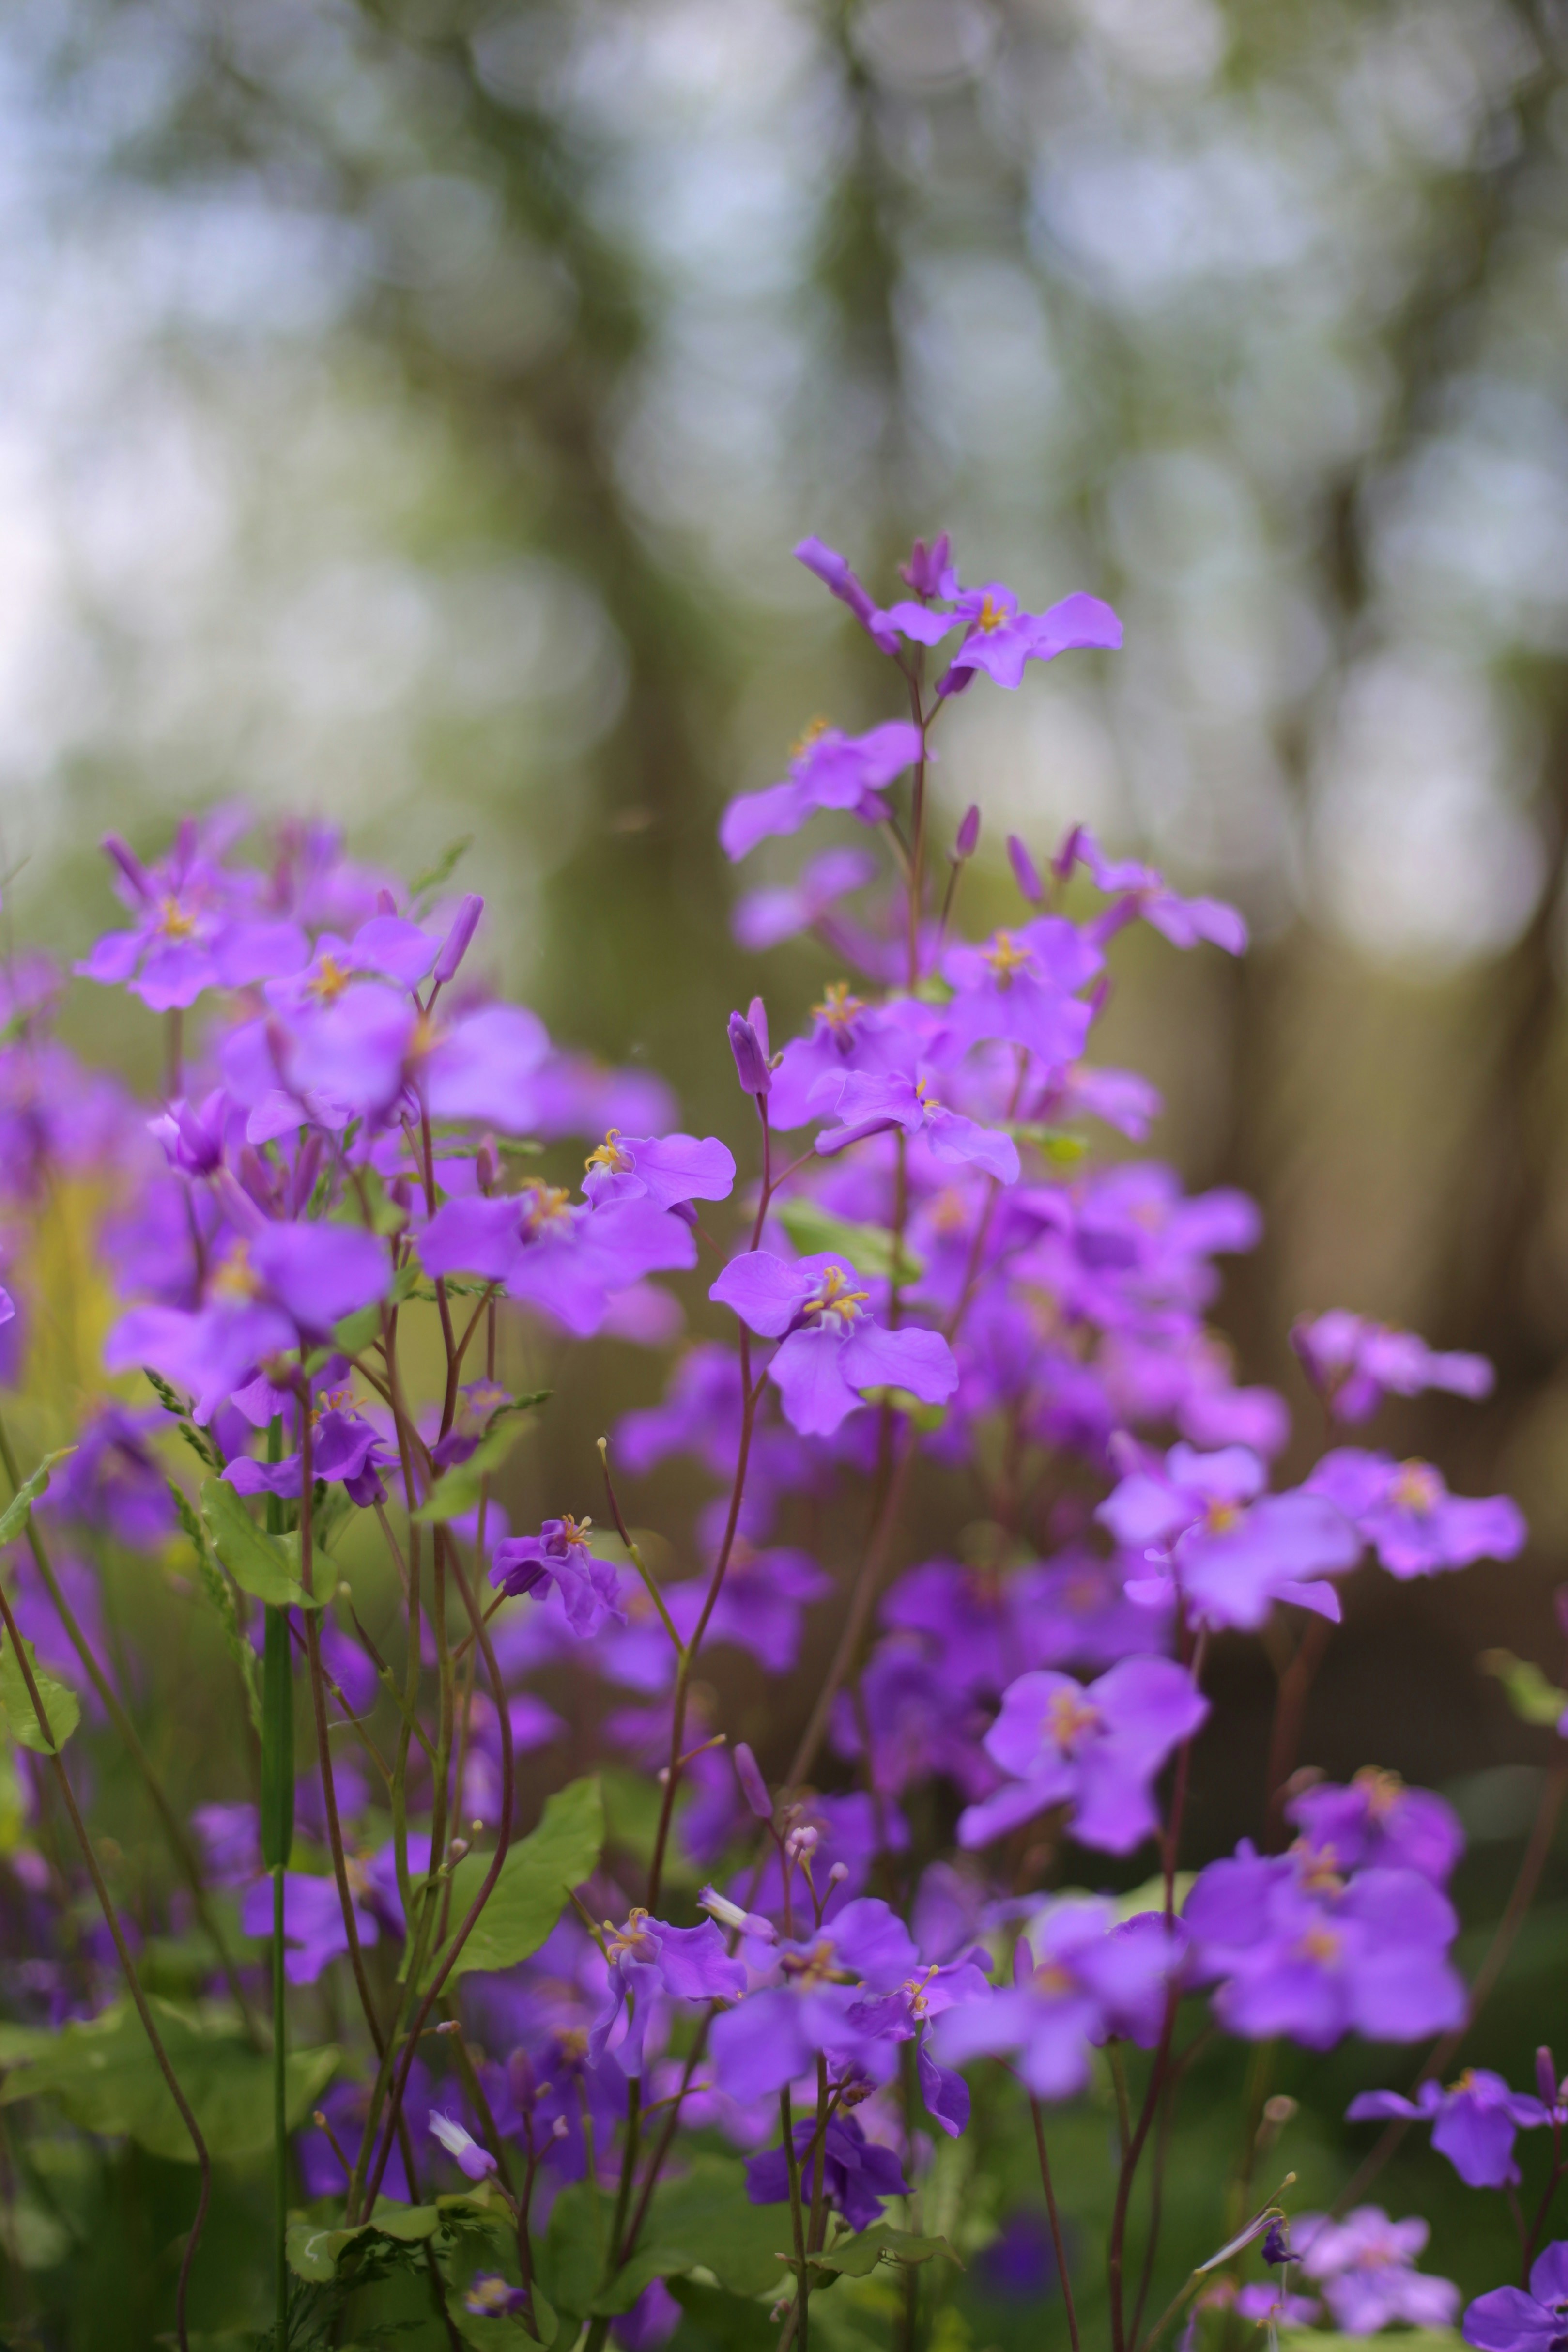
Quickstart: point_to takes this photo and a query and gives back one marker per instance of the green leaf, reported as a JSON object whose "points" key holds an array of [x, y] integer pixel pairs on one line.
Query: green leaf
{"points": [[458, 1491], [705, 2219], [106, 2078], [259, 1563], [314, 2247], [530, 1893], [1532, 1698], [925, 1416], [1058, 1144], [571, 2259], [632, 1803], [857, 2257], [867, 1248], [14, 1518], [59, 1703], [733, 2323]]}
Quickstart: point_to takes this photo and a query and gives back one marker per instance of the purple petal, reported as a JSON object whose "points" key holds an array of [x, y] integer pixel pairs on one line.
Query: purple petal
{"points": [[764, 1290]]}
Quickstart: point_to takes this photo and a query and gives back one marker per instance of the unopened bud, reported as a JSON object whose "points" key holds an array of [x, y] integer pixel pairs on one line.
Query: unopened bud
{"points": [[756, 1013], [386, 903], [731, 1914], [1280, 2110], [1025, 872], [838, 1872], [1277, 2243], [458, 1848], [1546, 2075], [448, 2025], [454, 946], [801, 1845], [967, 840], [487, 1165], [320, 2120], [130, 865], [750, 1056], [559, 2130], [753, 1787]]}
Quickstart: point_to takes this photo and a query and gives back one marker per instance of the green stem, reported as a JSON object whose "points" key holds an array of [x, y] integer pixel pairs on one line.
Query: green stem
{"points": [[802, 2268], [281, 2103]]}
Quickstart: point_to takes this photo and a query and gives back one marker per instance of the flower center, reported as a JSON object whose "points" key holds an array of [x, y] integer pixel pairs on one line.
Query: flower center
{"points": [[612, 1154], [633, 1940], [991, 614], [1317, 1866], [175, 922], [1005, 957], [813, 1968], [834, 1296], [489, 2296], [330, 979], [1069, 1719], [237, 1278], [1322, 1945], [1220, 1514], [812, 733], [1051, 1980], [576, 1533], [1381, 1789], [543, 1205], [1416, 1488], [923, 1096], [838, 1007]]}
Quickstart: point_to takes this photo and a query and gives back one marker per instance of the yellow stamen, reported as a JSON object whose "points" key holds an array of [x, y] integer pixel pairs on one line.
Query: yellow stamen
{"points": [[815, 1967], [1052, 1980], [1318, 1869], [173, 921], [1319, 1944], [1219, 1515], [838, 1007], [1383, 1790], [1416, 1488], [1069, 1717], [612, 1154], [237, 1278], [328, 981], [991, 614], [836, 1297], [812, 733], [1005, 957], [544, 1204]]}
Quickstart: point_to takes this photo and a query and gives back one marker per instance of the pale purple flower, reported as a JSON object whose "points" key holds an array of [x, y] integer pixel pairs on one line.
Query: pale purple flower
{"points": [[830, 1350], [313, 1929], [870, 1102], [1473, 2122], [1377, 1821], [542, 1248], [1142, 893], [1094, 1747], [475, 2163], [1001, 638], [665, 1169], [1365, 2267], [1231, 1549], [1404, 1511], [764, 918], [771, 2037], [858, 2174], [885, 625], [1510, 2320], [1078, 1978], [1019, 987], [829, 770], [648, 1958], [558, 1555], [1353, 1363]]}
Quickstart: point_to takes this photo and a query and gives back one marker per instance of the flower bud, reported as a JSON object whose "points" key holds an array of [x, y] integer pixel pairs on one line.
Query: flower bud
{"points": [[454, 946], [1025, 872], [1277, 2243], [130, 865], [967, 840], [731, 1914], [801, 1845], [1546, 2075], [753, 1787], [386, 903], [750, 1057], [838, 1872], [486, 1164], [756, 1013]]}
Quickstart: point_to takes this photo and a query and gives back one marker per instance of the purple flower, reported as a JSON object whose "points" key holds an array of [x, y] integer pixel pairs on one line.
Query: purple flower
{"points": [[828, 770], [664, 1168], [558, 1555], [760, 1606], [569, 1260], [1364, 2265], [651, 2320], [475, 2163], [771, 2037], [1377, 1821], [1078, 1978], [1510, 2320], [765, 918], [190, 932], [1001, 638], [1142, 892], [345, 1450], [870, 1102], [1353, 1363], [904, 619], [857, 2175], [488, 2296], [1096, 1748], [648, 1958], [114, 1481], [1473, 2122], [1020, 988], [1233, 1550], [829, 1348], [1404, 1511], [313, 1929], [1302, 1951]]}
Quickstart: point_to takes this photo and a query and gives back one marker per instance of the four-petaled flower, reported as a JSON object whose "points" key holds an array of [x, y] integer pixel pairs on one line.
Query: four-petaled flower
{"points": [[830, 1347], [1096, 1747], [558, 1555], [1404, 1511]]}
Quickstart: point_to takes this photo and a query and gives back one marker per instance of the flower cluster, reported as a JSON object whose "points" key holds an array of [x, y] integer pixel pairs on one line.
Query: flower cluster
{"points": [[347, 1251]]}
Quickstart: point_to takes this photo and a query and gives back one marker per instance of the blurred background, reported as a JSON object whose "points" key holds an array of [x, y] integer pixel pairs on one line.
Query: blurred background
{"points": [[406, 413]]}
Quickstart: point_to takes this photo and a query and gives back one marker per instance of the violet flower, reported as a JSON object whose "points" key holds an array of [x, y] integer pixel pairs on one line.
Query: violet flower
{"points": [[1078, 1978], [830, 1350], [1001, 637], [885, 625], [1231, 1549], [1377, 1821], [647, 1958], [1143, 893], [1365, 2267], [313, 1929], [763, 919], [190, 931], [568, 1259], [1019, 987], [1095, 1748], [1353, 1363], [558, 1556], [857, 2174], [1404, 1511], [1473, 2122], [772, 2036], [667, 1170], [867, 1103], [828, 770], [475, 2163], [1508, 2319]]}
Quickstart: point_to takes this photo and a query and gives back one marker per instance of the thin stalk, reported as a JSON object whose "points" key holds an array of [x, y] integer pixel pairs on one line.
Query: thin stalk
{"points": [[280, 2113], [174, 1828], [128, 1965], [1290, 1709], [860, 1603], [277, 1840], [1057, 2240], [792, 2167]]}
